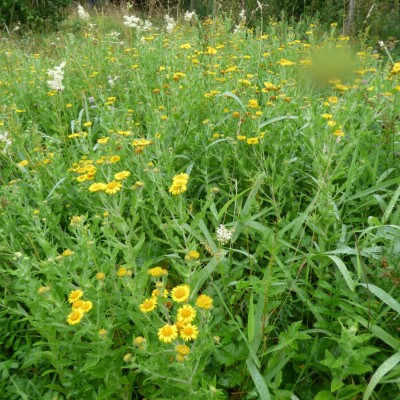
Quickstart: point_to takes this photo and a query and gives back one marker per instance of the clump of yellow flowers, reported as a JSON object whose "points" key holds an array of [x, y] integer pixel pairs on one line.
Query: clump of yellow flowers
{"points": [[79, 307], [180, 326], [179, 184]]}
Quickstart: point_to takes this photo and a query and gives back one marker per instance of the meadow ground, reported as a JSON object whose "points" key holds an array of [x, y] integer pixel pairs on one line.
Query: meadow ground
{"points": [[198, 210]]}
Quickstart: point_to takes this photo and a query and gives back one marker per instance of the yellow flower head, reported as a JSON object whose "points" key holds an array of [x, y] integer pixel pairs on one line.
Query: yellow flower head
{"points": [[252, 141], [86, 306], [157, 272], [176, 189], [186, 314], [168, 333], [189, 332], [148, 305], [192, 255], [122, 272], [180, 293], [182, 349], [139, 341], [95, 187], [113, 187], [77, 304], [119, 176], [75, 316], [159, 292], [100, 276], [253, 103], [75, 295], [204, 301]]}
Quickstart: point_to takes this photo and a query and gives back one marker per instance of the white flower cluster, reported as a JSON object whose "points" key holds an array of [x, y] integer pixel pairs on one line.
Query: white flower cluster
{"points": [[170, 23], [242, 23], [242, 16], [82, 14], [6, 140], [57, 75], [189, 16], [137, 23], [223, 235]]}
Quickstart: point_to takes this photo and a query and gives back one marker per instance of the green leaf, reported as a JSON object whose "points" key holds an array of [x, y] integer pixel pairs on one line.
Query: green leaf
{"points": [[258, 380], [276, 119], [250, 321], [344, 271], [387, 366], [374, 189], [324, 395], [391, 205], [336, 384], [385, 297]]}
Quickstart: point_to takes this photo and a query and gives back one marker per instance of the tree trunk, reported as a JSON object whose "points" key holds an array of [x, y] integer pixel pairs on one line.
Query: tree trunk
{"points": [[350, 17]]}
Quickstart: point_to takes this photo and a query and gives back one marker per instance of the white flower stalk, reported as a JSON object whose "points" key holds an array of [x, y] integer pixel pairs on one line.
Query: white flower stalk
{"points": [[82, 14], [132, 21], [223, 235], [170, 23], [57, 75], [189, 16], [6, 140], [242, 16], [137, 23]]}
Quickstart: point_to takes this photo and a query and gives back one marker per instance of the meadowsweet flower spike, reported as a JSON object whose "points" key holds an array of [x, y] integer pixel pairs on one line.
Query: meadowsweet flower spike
{"points": [[223, 235], [57, 75]]}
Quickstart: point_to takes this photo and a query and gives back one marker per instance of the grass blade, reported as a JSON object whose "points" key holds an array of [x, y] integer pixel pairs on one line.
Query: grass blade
{"points": [[386, 367]]}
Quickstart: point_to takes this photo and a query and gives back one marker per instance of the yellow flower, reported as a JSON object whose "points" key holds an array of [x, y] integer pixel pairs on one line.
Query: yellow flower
{"points": [[285, 63], [139, 341], [180, 357], [253, 140], [114, 159], [43, 289], [182, 349], [186, 314], [95, 187], [67, 252], [113, 187], [341, 87], [103, 333], [87, 124], [76, 219], [23, 163], [192, 255], [241, 137], [75, 316], [159, 292], [339, 132], [168, 333], [103, 140], [86, 306], [204, 301], [189, 332], [396, 69], [180, 293], [148, 305], [252, 103], [100, 276], [327, 116], [175, 189], [77, 304], [186, 46], [75, 295], [119, 176], [122, 272], [157, 272]]}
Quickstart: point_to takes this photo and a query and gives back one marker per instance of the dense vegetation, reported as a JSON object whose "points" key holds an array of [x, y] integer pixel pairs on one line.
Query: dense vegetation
{"points": [[199, 210]]}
